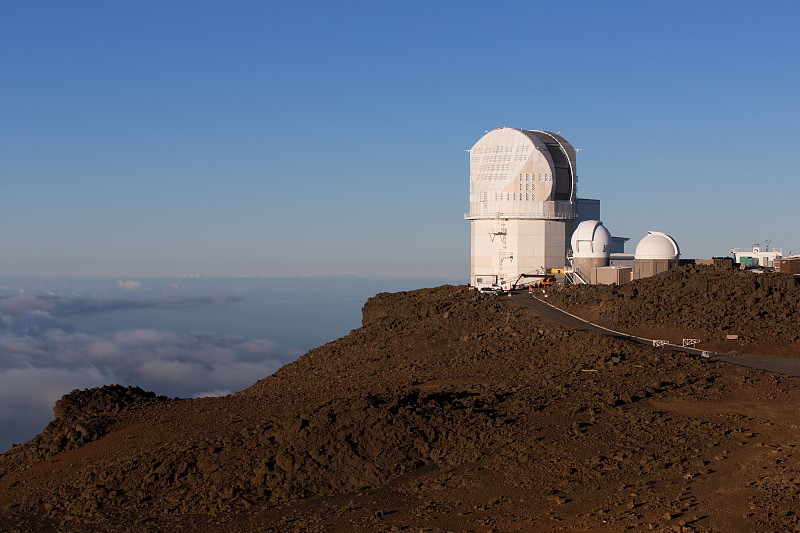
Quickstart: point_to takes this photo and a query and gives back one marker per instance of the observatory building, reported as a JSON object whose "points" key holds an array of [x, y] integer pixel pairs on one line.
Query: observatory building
{"points": [[656, 252], [591, 249], [523, 204], [528, 222]]}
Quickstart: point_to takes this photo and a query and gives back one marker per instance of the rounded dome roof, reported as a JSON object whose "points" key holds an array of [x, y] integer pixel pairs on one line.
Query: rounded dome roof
{"points": [[505, 155], [591, 239], [657, 245]]}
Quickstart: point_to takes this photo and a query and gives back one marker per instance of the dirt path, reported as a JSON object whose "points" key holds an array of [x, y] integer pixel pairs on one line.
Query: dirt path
{"points": [[447, 410], [780, 365]]}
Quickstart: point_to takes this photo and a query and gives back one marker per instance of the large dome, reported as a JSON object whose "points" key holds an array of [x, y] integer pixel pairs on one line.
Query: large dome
{"points": [[524, 173], [504, 156], [591, 239], [657, 245]]}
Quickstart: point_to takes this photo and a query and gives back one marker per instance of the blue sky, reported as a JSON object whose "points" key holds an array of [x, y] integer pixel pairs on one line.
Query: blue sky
{"points": [[267, 138]]}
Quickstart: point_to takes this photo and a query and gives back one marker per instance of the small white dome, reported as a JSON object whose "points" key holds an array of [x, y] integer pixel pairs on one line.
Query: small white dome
{"points": [[591, 239], [657, 245]]}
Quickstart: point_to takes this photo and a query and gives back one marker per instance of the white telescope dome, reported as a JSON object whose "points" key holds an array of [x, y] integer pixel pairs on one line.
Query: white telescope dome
{"points": [[657, 245], [591, 240], [505, 158]]}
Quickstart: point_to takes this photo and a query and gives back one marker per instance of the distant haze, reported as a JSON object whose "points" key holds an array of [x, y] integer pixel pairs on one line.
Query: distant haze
{"points": [[192, 337]]}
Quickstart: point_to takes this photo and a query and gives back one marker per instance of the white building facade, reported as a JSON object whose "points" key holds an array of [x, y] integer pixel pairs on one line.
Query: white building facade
{"points": [[523, 204], [756, 256]]}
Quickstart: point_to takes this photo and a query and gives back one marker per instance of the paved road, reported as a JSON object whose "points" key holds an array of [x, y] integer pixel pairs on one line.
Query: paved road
{"points": [[781, 365]]}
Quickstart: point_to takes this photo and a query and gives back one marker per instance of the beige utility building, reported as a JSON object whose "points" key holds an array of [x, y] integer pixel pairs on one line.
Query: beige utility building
{"points": [[523, 204]]}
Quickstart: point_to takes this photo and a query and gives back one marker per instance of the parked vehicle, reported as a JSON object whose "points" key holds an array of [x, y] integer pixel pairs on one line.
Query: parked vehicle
{"points": [[491, 289]]}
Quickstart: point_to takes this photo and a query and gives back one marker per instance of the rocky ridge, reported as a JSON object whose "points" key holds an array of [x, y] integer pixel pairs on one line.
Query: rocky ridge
{"points": [[81, 417], [704, 302], [448, 411]]}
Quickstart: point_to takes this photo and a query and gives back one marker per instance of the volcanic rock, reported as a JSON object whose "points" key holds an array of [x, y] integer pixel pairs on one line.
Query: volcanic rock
{"points": [[446, 411]]}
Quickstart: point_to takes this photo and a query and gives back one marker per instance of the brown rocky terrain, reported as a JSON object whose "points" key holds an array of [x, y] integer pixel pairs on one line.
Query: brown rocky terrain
{"points": [[448, 411], [701, 302]]}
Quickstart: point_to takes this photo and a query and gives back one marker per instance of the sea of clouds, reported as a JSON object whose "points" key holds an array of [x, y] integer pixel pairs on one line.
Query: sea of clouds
{"points": [[43, 358]]}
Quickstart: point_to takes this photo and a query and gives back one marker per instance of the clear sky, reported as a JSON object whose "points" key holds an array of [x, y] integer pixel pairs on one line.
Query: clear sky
{"points": [[275, 138]]}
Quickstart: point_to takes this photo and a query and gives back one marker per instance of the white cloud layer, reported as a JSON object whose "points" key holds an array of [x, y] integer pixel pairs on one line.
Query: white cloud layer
{"points": [[18, 305], [41, 360], [129, 285]]}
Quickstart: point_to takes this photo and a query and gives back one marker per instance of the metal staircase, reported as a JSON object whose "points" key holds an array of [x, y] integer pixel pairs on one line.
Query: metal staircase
{"points": [[573, 274]]}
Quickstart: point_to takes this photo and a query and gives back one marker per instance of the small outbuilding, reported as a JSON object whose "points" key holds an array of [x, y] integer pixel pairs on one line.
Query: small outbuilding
{"points": [[612, 274], [788, 265]]}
